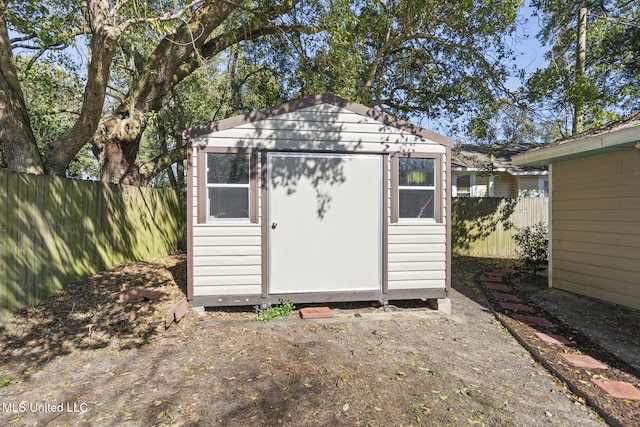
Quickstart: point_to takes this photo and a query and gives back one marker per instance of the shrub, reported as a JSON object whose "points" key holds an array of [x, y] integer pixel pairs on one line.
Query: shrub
{"points": [[283, 309], [533, 245]]}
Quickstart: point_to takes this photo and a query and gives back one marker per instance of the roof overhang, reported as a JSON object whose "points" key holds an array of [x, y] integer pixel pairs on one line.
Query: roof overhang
{"points": [[616, 140], [537, 172], [507, 170]]}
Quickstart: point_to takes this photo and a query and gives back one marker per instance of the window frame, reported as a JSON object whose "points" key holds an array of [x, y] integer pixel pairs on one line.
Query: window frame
{"points": [[456, 189], [203, 186], [396, 187]]}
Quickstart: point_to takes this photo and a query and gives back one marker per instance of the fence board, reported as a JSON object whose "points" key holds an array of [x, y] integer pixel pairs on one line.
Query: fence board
{"points": [[55, 231], [485, 226], [4, 240]]}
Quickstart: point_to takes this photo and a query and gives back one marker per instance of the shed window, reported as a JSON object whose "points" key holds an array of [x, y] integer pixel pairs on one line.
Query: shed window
{"points": [[416, 188], [228, 185]]}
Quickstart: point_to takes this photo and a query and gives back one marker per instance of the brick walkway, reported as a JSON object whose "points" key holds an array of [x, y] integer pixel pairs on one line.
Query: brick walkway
{"points": [[502, 299]]}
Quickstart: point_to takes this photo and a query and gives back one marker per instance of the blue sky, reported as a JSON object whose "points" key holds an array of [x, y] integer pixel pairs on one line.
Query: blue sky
{"points": [[530, 53]]}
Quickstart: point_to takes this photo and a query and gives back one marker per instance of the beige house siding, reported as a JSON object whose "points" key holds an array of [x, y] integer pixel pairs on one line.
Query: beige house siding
{"points": [[482, 186], [227, 258], [528, 186], [596, 227], [505, 185]]}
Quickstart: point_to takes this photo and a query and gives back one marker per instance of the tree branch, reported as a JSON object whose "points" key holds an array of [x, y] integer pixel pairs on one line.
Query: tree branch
{"points": [[102, 49], [155, 166], [177, 15]]}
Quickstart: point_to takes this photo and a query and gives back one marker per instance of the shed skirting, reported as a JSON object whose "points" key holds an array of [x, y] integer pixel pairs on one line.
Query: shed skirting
{"points": [[392, 295]]}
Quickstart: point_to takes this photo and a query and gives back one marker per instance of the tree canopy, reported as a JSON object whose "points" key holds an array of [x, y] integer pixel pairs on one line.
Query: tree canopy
{"points": [[121, 79], [610, 85]]}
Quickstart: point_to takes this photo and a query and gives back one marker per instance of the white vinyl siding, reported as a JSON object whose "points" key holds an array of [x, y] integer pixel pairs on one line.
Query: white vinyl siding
{"points": [[417, 256], [322, 127], [227, 260], [596, 227]]}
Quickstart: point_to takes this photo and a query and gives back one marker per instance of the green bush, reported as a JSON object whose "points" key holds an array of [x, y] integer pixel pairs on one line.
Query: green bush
{"points": [[533, 245]]}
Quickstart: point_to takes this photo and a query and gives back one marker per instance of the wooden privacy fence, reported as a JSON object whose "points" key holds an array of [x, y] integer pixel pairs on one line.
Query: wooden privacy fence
{"points": [[485, 226], [56, 231]]}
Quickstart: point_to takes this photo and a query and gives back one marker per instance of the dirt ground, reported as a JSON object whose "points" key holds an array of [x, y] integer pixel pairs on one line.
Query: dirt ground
{"points": [[84, 357]]}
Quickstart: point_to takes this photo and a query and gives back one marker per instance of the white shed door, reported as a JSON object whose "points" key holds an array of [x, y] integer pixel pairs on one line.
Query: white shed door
{"points": [[325, 222]]}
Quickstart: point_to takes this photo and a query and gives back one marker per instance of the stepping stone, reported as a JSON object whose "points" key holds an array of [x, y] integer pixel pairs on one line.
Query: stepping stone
{"points": [[533, 320], [316, 312], [583, 361], [493, 273], [496, 286], [515, 306], [138, 294], [503, 271], [553, 339], [506, 297], [619, 389], [487, 278]]}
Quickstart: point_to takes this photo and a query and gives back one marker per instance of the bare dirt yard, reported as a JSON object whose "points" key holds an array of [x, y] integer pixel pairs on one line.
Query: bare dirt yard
{"points": [[83, 357]]}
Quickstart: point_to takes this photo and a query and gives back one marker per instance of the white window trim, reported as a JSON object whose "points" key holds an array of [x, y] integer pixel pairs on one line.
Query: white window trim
{"points": [[541, 190], [472, 184], [419, 188], [210, 219]]}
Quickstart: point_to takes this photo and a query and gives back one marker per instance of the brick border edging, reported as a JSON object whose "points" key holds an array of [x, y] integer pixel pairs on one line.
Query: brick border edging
{"points": [[608, 418]]}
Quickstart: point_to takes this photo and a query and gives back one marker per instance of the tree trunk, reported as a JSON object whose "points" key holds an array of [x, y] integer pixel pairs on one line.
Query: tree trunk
{"points": [[102, 49], [16, 137], [581, 46], [116, 147]]}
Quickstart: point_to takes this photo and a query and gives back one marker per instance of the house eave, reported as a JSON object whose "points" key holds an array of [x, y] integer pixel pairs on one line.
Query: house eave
{"points": [[538, 172], [617, 140], [496, 170]]}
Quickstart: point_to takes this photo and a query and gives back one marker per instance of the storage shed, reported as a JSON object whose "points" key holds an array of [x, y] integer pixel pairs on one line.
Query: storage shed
{"points": [[317, 200], [595, 211]]}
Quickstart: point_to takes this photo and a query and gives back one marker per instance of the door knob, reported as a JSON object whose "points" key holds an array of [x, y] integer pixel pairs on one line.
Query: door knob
{"points": [[274, 225]]}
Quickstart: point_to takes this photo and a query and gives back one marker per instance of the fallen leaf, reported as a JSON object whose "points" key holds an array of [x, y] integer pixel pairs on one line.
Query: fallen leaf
{"points": [[345, 407]]}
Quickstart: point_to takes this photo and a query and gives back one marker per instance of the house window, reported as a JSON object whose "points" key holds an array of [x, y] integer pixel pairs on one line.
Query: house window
{"points": [[228, 186], [463, 186], [543, 187], [416, 188]]}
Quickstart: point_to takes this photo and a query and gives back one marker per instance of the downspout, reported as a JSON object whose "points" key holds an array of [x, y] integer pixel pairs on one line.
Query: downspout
{"points": [[550, 228]]}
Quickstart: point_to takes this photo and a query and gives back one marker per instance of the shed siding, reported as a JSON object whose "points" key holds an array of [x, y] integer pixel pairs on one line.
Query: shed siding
{"points": [[596, 227], [227, 260], [417, 256], [322, 127]]}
